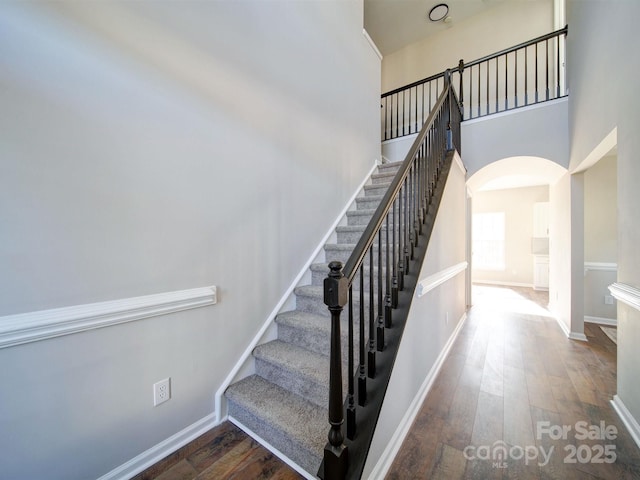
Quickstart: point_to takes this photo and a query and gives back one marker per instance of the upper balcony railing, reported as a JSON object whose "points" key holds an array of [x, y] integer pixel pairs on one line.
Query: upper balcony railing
{"points": [[526, 74]]}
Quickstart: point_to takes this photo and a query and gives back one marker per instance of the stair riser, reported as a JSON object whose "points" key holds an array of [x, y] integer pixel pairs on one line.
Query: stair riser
{"points": [[343, 255], [317, 278], [382, 178], [366, 203], [375, 189], [295, 382], [318, 342], [308, 460], [316, 306]]}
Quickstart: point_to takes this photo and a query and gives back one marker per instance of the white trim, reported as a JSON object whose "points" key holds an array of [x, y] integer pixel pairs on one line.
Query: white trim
{"points": [[501, 283], [381, 468], [405, 138], [271, 318], [372, 43], [512, 111], [161, 450], [601, 320], [604, 266], [432, 281], [272, 449], [600, 267], [458, 161], [625, 415], [34, 326], [626, 294], [569, 334]]}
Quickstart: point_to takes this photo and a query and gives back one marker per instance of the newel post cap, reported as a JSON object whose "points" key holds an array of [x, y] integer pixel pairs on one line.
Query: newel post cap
{"points": [[335, 286]]}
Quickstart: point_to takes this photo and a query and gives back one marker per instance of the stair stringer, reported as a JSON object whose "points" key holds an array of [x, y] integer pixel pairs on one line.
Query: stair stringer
{"points": [[245, 365]]}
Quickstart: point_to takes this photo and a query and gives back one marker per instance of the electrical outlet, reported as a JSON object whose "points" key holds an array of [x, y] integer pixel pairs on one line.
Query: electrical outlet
{"points": [[161, 391], [608, 300]]}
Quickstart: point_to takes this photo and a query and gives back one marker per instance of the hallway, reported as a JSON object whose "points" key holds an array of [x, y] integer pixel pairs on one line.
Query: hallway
{"points": [[510, 384]]}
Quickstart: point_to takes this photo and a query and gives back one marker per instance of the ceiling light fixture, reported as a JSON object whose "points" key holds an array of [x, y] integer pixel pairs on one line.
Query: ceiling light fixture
{"points": [[439, 12]]}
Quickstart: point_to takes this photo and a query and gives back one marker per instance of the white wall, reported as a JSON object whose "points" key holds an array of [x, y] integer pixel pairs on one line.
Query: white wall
{"points": [[566, 253], [600, 236], [432, 319], [147, 147], [601, 35], [517, 205], [536, 131], [502, 26]]}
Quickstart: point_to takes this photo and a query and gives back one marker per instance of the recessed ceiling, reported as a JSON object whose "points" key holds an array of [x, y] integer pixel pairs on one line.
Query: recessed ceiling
{"points": [[394, 24]]}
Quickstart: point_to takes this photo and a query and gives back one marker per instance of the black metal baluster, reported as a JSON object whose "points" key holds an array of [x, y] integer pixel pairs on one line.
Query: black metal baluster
{"points": [[400, 240], [471, 91], [460, 71], [335, 451], [497, 82], [526, 76], [371, 360], [387, 274], [397, 114], [351, 408], [405, 261], [414, 207], [487, 113], [479, 108], [394, 288], [362, 379], [403, 119], [386, 112], [417, 123], [422, 105], [380, 332], [515, 79], [409, 119], [536, 73], [506, 82], [546, 50], [558, 67]]}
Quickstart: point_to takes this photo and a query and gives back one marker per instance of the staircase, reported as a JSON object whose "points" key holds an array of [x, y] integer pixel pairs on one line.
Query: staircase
{"points": [[286, 401]]}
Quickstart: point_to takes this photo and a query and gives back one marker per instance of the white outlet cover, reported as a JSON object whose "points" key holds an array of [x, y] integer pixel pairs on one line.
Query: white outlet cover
{"points": [[161, 391]]}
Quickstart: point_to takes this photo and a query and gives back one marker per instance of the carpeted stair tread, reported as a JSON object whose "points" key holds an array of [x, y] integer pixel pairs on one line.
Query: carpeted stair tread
{"points": [[293, 425], [297, 360]]}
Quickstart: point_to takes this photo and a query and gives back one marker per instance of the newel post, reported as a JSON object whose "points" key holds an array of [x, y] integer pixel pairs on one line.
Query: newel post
{"points": [[335, 451]]}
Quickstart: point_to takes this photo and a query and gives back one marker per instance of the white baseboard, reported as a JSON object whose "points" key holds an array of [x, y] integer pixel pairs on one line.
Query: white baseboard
{"points": [[501, 283], [601, 320], [388, 455], [631, 423], [162, 449], [571, 335], [272, 449], [234, 374]]}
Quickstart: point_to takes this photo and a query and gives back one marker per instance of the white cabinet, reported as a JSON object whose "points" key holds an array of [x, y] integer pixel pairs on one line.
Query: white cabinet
{"points": [[541, 219], [541, 272], [540, 246]]}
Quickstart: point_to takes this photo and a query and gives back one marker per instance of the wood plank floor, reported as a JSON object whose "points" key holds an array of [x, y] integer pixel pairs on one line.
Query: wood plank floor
{"points": [[510, 379], [510, 373], [224, 452]]}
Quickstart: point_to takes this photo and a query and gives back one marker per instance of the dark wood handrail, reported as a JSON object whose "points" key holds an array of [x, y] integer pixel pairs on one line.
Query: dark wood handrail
{"points": [[414, 84], [528, 43], [367, 238]]}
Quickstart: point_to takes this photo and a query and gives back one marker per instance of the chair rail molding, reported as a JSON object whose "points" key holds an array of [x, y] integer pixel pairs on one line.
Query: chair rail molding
{"points": [[626, 293], [34, 326]]}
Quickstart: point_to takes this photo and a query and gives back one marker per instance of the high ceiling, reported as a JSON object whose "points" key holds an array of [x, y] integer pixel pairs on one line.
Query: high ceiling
{"points": [[393, 24]]}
